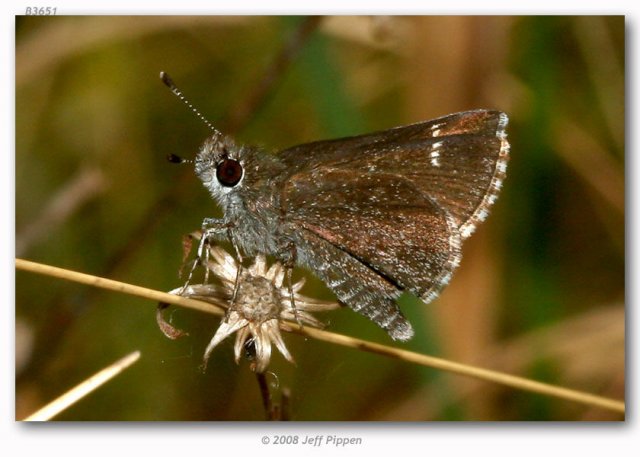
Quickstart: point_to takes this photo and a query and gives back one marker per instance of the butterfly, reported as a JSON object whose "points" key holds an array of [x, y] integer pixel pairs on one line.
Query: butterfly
{"points": [[372, 215]]}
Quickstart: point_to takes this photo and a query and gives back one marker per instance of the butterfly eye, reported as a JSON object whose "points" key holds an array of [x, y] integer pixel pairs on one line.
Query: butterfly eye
{"points": [[229, 172]]}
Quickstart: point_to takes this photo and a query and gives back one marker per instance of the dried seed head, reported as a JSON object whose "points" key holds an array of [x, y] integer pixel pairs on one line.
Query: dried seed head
{"points": [[258, 299], [261, 303]]}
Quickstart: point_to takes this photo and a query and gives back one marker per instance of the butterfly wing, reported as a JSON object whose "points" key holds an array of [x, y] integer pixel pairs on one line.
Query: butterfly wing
{"points": [[459, 160], [354, 282]]}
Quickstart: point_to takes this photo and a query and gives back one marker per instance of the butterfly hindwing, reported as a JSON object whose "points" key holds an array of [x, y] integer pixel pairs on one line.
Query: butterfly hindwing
{"points": [[400, 234]]}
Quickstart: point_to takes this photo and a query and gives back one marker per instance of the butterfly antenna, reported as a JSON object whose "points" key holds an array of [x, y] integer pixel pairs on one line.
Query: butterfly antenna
{"points": [[166, 79], [177, 159]]}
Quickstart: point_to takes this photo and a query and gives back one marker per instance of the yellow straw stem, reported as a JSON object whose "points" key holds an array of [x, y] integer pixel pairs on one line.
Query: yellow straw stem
{"points": [[83, 389], [117, 286], [463, 369]]}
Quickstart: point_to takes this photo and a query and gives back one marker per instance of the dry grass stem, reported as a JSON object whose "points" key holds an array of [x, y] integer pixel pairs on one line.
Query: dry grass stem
{"points": [[117, 286], [83, 389], [515, 382], [504, 379]]}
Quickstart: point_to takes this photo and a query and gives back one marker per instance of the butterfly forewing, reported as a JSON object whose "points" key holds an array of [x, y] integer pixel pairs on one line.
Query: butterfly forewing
{"points": [[395, 204], [458, 160]]}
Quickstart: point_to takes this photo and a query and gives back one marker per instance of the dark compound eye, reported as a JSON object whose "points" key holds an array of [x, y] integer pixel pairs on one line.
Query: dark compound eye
{"points": [[229, 172]]}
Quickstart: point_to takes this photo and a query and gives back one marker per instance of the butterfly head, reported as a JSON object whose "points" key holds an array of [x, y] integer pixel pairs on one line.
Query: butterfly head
{"points": [[220, 166]]}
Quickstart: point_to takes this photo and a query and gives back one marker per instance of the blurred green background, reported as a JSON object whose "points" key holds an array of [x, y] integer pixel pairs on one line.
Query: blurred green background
{"points": [[540, 292]]}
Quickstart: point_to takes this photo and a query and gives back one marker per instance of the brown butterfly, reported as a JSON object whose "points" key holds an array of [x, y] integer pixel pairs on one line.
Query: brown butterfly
{"points": [[371, 215]]}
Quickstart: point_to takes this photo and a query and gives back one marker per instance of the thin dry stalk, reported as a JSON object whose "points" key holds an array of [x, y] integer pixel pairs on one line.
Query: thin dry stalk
{"points": [[117, 286], [515, 382], [83, 389]]}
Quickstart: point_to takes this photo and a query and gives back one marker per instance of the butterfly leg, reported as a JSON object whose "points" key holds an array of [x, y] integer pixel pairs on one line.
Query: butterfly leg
{"points": [[219, 228], [289, 257], [238, 270], [196, 262], [211, 230]]}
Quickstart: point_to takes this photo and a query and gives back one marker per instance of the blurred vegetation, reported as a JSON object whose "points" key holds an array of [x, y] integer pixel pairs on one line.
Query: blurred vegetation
{"points": [[540, 292]]}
